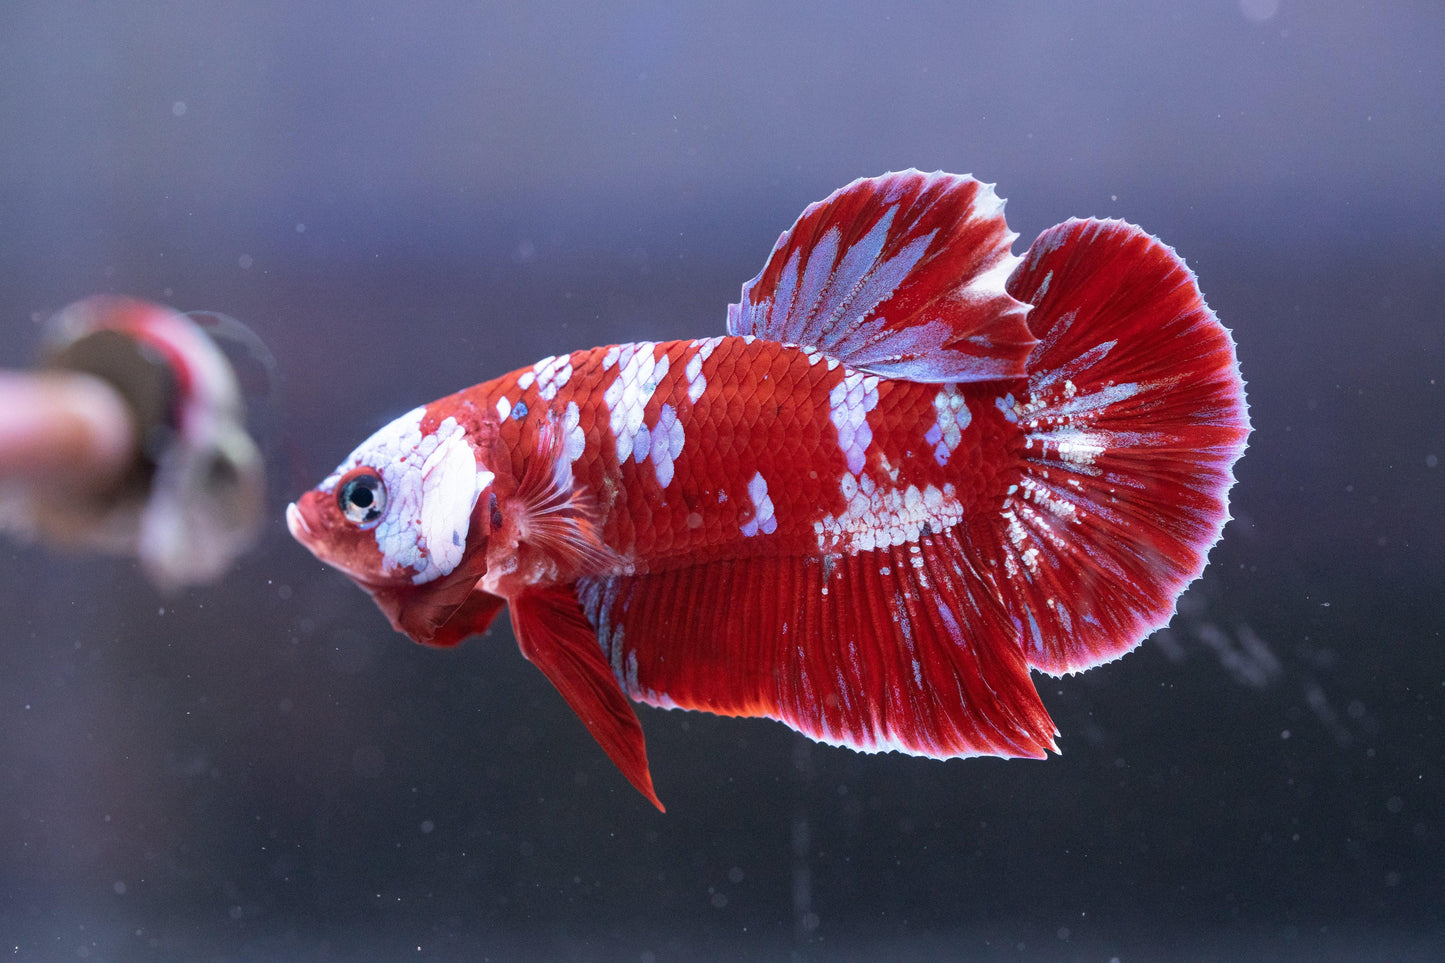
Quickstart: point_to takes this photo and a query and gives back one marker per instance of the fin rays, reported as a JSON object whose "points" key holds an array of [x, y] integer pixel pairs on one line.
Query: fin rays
{"points": [[900, 275]]}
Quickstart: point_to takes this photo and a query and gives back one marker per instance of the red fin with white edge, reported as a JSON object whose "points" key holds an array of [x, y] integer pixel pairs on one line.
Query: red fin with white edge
{"points": [[1133, 416], [901, 648], [555, 636], [901, 275]]}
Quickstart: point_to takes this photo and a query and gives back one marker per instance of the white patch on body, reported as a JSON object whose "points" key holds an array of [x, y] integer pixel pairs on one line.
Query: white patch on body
{"points": [[883, 517], [953, 418], [627, 396], [504, 407], [763, 519], [666, 444], [696, 383], [848, 405], [574, 439], [552, 374]]}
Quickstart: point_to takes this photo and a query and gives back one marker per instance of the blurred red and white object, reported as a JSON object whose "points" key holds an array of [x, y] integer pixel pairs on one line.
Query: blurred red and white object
{"points": [[132, 439]]}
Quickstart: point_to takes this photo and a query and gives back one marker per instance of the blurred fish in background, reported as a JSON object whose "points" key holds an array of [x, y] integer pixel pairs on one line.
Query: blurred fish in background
{"points": [[131, 439]]}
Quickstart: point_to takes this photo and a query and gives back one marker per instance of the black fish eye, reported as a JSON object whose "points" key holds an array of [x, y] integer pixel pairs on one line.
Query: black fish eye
{"points": [[362, 498]]}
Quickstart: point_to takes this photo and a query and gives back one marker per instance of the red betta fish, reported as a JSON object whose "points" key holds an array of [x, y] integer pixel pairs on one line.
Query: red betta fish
{"points": [[916, 467]]}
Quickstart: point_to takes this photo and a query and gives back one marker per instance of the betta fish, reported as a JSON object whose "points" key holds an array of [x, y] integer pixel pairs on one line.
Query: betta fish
{"points": [[915, 468]]}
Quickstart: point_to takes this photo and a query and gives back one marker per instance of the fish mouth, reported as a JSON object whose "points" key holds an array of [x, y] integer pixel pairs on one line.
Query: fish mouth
{"points": [[296, 522]]}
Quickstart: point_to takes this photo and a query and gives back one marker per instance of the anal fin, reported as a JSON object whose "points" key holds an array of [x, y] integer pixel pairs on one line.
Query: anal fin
{"points": [[901, 648], [555, 636]]}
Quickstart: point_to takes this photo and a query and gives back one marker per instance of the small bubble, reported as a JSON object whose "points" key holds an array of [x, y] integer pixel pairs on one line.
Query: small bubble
{"points": [[1431, 461], [427, 825], [1063, 932], [245, 260], [735, 875], [719, 900], [235, 912], [119, 888], [179, 108], [1258, 11], [1284, 734], [300, 228], [1394, 804]]}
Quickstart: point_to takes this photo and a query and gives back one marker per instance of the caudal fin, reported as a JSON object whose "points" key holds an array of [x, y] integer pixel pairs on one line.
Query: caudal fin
{"points": [[1133, 417]]}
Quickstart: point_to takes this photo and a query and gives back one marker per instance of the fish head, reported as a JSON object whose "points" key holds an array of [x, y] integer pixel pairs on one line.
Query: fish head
{"points": [[397, 516]]}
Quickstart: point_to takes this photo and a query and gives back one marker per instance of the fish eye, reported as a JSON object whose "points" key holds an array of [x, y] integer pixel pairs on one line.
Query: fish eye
{"points": [[362, 497]]}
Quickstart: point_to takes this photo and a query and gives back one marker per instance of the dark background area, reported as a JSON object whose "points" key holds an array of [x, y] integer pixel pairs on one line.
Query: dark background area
{"points": [[406, 199]]}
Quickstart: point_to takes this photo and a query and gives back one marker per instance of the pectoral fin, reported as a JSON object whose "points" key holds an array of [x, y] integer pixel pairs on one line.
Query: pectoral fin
{"points": [[556, 637]]}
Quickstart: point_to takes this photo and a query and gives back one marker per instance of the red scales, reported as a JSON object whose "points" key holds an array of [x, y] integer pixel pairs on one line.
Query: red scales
{"points": [[917, 468]]}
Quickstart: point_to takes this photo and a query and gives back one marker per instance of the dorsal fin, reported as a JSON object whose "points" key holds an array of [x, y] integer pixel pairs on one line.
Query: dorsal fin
{"points": [[902, 276]]}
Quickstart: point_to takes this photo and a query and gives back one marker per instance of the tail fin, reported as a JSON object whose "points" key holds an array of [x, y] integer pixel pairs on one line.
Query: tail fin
{"points": [[1134, 416]]}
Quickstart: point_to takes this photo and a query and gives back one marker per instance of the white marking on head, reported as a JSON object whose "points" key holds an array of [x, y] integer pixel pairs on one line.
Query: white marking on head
{"points": [[432, 482], [451, 482], [763, 519]]}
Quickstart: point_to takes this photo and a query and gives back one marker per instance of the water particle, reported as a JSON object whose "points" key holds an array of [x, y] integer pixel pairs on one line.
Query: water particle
{"points": [[179, 108], [119, 888], [245, 260], [427, 825]]}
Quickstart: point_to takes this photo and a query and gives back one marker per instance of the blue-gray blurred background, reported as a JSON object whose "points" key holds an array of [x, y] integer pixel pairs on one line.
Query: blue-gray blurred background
{"points": [[404, 199]]}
